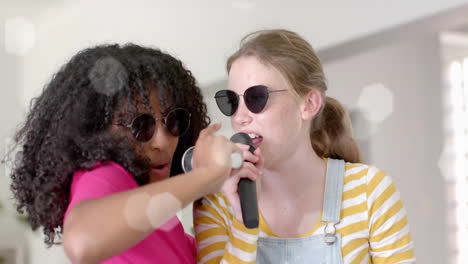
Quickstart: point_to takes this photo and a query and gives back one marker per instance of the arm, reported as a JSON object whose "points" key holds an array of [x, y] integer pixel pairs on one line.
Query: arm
{"points": [[96, 229], [390, 240], [220, 237]]}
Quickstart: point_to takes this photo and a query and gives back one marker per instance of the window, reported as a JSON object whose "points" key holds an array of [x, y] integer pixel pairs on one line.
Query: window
{"points": [[457, 100]]}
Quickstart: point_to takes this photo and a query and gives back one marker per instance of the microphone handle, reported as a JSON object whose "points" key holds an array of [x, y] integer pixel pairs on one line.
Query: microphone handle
{"points": [[248, 198]]}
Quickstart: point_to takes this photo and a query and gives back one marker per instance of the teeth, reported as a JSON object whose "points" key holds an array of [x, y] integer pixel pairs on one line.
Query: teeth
{"points": [[252, 135]]}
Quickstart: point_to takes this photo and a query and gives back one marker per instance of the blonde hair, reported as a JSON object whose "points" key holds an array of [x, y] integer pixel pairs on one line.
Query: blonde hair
{"points": [[294, 57]]}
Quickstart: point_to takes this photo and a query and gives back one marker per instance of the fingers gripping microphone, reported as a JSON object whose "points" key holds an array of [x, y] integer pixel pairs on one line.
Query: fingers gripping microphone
{"points": [[187, 165], [247, 188]]}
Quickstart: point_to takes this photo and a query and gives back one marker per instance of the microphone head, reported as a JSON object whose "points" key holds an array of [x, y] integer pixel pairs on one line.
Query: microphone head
{"points": [[187, 160], [243, 138]]}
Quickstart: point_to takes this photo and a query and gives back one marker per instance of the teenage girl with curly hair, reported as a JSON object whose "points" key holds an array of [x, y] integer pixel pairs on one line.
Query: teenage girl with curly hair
{"points": [[97, 151]]}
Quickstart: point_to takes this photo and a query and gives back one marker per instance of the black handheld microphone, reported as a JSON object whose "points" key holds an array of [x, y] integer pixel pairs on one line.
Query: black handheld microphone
{"points": [[247, 188]]}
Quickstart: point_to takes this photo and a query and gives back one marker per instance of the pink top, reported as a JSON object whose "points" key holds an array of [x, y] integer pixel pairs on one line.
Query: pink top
{"points": [[167, 244]]}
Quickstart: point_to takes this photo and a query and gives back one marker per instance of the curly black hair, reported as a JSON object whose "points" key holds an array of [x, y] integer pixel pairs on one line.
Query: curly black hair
{"points": [[67, 127]]}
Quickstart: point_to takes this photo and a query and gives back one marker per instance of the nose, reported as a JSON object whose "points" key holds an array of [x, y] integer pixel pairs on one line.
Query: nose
{"points": [[161, 139], [242, 116]]}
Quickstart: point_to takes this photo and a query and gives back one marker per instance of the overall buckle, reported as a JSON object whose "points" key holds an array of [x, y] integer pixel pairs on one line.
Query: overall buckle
{"points": [[330, 233]]}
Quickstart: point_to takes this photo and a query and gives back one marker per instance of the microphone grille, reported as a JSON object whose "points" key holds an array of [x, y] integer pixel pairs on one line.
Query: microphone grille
{"points": [[243, 138], [187, 160]]}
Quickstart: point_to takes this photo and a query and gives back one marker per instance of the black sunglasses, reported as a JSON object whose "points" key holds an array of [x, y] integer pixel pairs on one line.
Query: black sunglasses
{"points": [[177, 122], [255, 97]]}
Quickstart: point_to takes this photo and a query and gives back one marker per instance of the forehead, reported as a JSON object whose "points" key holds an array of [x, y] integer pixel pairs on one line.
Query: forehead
{"points": [[157, 99], [249, 71], [154, 102], [149, 102]]}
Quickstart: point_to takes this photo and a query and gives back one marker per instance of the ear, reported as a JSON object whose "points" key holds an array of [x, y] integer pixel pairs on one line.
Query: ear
{"points": [[311, 104]]}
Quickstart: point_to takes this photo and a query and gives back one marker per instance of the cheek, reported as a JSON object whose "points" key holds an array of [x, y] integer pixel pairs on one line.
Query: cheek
{"points": [[141, 152], [285, 129], [174, 143], [171, 145], [123, 137], [280, 128], [287, 120]]}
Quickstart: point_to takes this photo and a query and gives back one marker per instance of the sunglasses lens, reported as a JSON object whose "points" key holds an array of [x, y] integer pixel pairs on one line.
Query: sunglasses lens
{"points": [[143, 127], [256, 98], [178, 122], [227, 102]]}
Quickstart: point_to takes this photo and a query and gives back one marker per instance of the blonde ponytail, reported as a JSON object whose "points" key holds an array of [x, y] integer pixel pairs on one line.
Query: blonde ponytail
{"points": [[331, 133]]}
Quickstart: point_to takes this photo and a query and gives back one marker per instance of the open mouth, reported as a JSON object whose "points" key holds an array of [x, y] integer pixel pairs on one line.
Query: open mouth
{"points": [[160, 171], [256, 139], [159, 167]]}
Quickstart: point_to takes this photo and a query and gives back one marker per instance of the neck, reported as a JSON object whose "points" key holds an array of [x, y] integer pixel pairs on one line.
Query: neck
{"points": [[303, 172]]}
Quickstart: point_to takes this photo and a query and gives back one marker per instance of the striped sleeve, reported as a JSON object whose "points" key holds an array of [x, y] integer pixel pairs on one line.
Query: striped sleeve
{"points": [[389, 235], [220, 237]]}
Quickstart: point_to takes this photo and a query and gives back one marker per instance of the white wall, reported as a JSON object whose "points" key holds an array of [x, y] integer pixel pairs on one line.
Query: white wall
{"points": [[10, 107], [202, 34], [408, 144], [12, 236]]}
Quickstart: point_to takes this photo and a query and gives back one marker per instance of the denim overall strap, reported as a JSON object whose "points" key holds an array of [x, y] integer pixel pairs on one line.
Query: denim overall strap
{"points": [[332, 198], [333, 191], [322, 248]]}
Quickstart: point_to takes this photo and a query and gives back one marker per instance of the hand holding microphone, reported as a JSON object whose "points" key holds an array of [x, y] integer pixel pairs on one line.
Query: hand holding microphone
{"points": [[215, 154], [247, 188], [187, 160], [240, 188]]}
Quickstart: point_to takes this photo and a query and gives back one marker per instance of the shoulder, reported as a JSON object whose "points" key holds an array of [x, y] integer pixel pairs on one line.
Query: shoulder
{"points": [[214, 206], [362, 172], [369, 180], [106, 169], [105, 173], [101, 180], [216, 201], [364, 181]]}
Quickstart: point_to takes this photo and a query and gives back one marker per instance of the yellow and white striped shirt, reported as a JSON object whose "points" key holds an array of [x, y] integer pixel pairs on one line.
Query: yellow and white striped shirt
{"points": [[374, 226]]}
